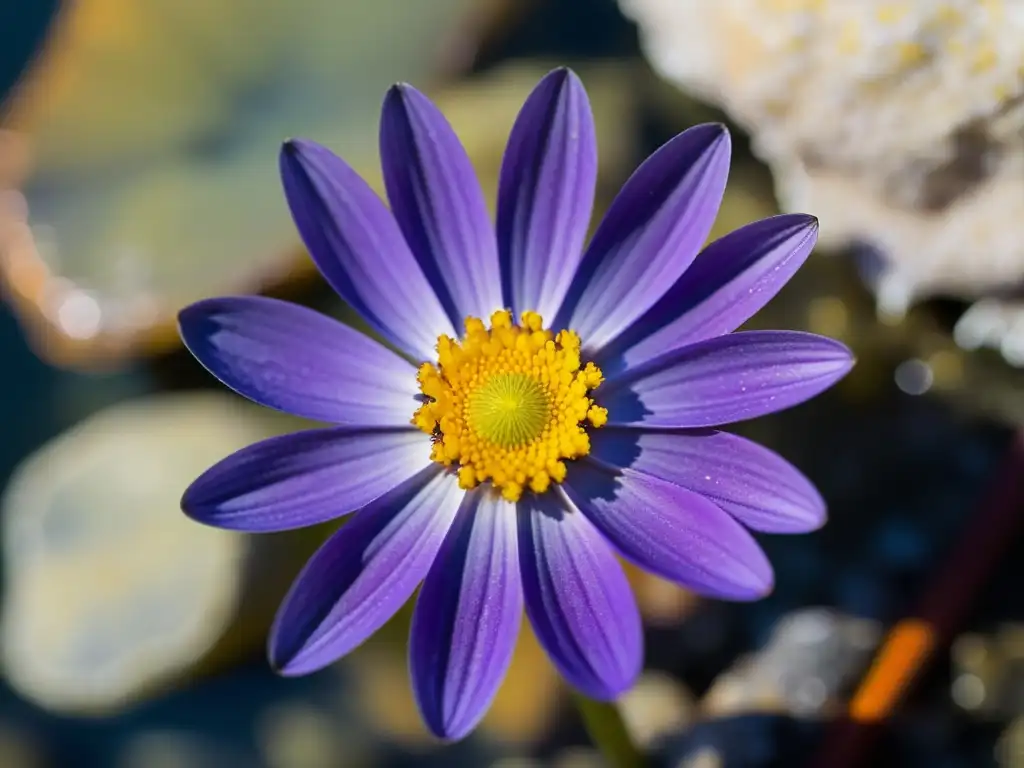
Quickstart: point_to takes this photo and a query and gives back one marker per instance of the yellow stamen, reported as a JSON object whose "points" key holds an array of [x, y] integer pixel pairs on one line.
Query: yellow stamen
{"points": [[508, 404]]}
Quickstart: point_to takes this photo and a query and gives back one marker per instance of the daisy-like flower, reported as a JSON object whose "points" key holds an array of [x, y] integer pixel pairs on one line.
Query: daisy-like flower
{"points": [[546, 410]]}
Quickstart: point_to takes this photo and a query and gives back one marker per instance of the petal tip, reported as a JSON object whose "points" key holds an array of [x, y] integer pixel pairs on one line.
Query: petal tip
{"points": [[188, 503], [192, 324], [563, 79], [716, 136], [399, 92], [610, 689], [450, 731], [290, 664], [759, 585], [560, 74], [297, 150]]}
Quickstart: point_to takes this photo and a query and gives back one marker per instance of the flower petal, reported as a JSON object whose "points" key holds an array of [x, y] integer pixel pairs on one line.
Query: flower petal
{"points": [[546, 193], [670, 531], [578, 599], [653, 230], [467, 618], [731, 280], [753, 484], [730, 378], [364, 573], [437, 201], [305, 478], [293, 359], [359, 249]]}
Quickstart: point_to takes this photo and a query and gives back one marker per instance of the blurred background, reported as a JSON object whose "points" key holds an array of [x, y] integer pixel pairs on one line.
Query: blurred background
{"points": [[138, 143]]}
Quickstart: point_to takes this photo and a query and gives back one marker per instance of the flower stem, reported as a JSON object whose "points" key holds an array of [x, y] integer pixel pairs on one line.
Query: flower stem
{"points": [[608, 731]]}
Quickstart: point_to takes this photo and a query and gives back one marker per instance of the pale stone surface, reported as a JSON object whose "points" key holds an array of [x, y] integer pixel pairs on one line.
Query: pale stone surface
{"points": [[809, 659], [146, 143], [900, 124], [705, 757], [658, 705], [110, 590], [100, 269]]}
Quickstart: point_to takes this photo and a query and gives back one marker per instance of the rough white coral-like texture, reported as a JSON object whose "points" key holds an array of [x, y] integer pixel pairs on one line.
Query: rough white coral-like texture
{"points": [[900, 124]]}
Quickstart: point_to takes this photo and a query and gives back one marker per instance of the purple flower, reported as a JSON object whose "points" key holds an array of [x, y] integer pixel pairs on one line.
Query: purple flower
{"points": [[501, 463]]}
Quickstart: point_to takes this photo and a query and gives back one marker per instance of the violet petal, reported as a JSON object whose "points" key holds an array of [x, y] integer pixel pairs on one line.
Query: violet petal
{"points": [[437, 201], [545, 194], [364, 573], [753, 484], [467, 618], [651, 233], [578, 599], [670, 531], [305, 478], [358, 248], [290, 358], [730, 281], [726, 379]]}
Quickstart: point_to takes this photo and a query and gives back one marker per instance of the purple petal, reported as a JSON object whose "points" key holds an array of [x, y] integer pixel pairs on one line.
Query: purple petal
{"points": [[578, 599], [467, 618], [753, 484], [730, 378], [731, 280], [436, 198], [364, 573], [304, 478], [545, 194], [359, 249], [653, 230], [291, 358], [672, 532]]}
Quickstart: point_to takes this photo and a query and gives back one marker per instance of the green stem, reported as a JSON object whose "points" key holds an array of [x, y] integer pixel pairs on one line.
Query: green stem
{"points": [[609, 733]]}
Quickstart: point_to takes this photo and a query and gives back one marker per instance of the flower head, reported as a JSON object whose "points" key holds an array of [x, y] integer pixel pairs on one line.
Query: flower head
{"points": [[549, 407]]}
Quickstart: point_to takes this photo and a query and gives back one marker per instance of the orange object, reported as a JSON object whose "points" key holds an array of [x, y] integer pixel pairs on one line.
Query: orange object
{"points": [[905, 651], [947, 601]]}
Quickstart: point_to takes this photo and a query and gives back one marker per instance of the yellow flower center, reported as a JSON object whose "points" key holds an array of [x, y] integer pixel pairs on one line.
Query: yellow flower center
{"points": [[508, 404]]}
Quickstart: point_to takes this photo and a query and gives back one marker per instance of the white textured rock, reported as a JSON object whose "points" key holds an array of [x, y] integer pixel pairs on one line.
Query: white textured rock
{"points": [[812, 655], [110, 590], [900, 124]]}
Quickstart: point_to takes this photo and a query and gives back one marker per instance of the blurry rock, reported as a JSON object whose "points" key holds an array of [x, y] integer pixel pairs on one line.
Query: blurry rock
{"points": [[812, 656], [579, 757], [749, 740], [656, 706], [516, 762], [988, 673], [705, 757], [899, 124], [145, 143], [20, 749], [1010, 747], [112, 217], [303, 736], [179, 749], [110, 590]]}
